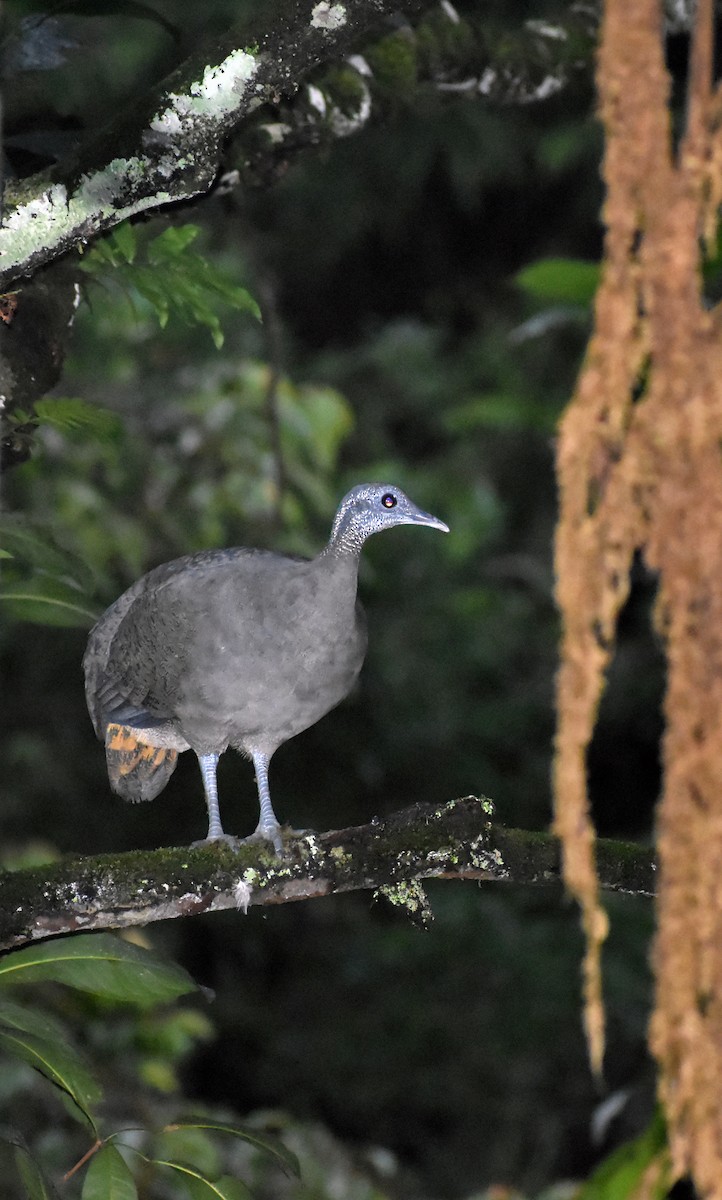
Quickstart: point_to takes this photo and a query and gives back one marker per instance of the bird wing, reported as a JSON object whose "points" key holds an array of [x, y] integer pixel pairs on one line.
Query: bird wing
{"points": [[123, 652], [136, 770], [102, 687], [136, 651]]}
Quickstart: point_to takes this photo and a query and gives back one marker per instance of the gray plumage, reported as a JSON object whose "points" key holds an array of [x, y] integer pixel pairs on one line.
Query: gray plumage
{"points": [[241, 648]]}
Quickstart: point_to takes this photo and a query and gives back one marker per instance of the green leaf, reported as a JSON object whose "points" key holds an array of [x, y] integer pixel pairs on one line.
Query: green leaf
{"points": [[36, 1186], [201, 1188], [30, 1020], [270, 1146], [44, 583], [196, 1148], [33, 546], [47, 601], [59, 1063], [618, 1177], [560, 280], [492, 411], [173, 279], [71, 414], [101, 964], [172, 242], [109, 1177], [125, 242]]}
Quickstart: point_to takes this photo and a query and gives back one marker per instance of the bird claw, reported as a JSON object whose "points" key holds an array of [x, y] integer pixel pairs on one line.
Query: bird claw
{"points": [[267, 833], [270, 834], [226, 838]]}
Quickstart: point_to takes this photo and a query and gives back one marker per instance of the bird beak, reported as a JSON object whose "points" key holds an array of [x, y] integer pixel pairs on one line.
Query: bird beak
{"points": [[418, 517]]}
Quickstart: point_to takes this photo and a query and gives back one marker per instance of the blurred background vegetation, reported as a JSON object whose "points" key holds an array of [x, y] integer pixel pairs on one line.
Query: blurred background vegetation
{"points": [[425, 290]]}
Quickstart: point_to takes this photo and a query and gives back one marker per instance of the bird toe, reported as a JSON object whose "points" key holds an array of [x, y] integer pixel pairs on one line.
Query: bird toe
{"points": [[226, 839], [268, 833]]}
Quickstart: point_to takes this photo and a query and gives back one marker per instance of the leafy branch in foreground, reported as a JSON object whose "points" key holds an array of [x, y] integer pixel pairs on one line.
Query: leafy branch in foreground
{"points": [[112, 971], [174, 280], [41, 581]]}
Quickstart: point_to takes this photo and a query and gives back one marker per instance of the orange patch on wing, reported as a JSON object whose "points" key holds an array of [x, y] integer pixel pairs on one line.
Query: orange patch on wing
{"points": [[126, 754]]}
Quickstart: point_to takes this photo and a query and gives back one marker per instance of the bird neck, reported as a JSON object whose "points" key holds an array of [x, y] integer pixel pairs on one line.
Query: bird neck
{"points": [[347, 536], [346, 541]]}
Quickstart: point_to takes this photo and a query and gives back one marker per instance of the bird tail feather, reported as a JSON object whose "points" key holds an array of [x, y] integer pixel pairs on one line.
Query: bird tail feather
{"points": [[136, 770]]}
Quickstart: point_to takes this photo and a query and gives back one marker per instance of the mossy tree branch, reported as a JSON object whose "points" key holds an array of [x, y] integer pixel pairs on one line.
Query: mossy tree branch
{"points": [[234, 114], [457, 840], [168, 145]]}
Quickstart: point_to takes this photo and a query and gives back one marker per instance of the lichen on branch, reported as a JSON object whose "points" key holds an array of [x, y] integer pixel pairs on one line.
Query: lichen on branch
{"points": [[168, 145], [457, 839]]}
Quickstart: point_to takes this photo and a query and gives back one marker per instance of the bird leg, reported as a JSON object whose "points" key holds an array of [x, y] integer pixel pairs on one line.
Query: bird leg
{"points": [[268, 826], [208, 764]]}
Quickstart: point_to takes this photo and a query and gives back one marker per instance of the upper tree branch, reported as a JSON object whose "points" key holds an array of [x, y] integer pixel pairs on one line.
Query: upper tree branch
{"points": [[456, 840], [167, 147]]}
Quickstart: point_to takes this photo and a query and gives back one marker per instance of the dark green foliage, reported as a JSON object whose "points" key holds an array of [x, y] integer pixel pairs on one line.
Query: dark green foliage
{"points": [[563, 280], [619, 1177], [101, 964], [36, 1186], [73, 415], [430, 283], [41, 581], [112, 972], [172, 279], [109, 1176]]}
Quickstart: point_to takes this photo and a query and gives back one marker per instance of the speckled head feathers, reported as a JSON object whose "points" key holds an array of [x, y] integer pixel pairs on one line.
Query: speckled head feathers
{"points": [[371, 507]]}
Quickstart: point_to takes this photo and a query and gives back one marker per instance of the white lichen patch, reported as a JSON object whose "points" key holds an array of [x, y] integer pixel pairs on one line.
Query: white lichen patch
{"points": [[276, 131], [545, 29], [442, 857], [451, 12], [549, 86], [409, 894], [328, 16], [487, 81], [487, 858], [316, 99], [38, 211], [360, 64], [311, 842], [212, 96], [56, 218], [51, 218], [346, 124]]}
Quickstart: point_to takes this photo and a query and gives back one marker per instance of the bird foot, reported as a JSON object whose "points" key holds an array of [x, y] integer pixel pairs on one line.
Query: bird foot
{"points": [[226, 838], [267, 833], [277, 835], [262, 833]]}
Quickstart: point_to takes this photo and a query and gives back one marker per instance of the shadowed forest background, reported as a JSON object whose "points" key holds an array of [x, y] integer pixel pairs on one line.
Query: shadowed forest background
{"points": [[405, 337]]}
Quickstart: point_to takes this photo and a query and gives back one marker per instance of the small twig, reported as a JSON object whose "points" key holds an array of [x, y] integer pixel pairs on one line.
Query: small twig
{"points": [[82, 1161]]}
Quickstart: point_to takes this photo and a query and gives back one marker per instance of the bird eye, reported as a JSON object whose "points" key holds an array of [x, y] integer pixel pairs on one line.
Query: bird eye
{"points": [[389, 500]]}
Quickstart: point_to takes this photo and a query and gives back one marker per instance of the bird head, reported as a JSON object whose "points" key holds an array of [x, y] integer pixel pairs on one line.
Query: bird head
{"points": [[371, 507]]}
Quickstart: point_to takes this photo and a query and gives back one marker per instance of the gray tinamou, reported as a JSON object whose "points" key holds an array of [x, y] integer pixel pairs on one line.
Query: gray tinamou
{"points": [[242, 648]]}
